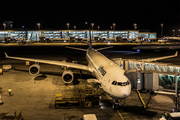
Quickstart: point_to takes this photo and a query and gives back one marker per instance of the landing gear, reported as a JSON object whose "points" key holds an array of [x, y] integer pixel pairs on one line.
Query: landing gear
{"points": [[116, 105]]}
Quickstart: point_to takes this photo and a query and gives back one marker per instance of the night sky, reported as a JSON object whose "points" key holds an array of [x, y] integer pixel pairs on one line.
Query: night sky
{"points": [[148, 14]]}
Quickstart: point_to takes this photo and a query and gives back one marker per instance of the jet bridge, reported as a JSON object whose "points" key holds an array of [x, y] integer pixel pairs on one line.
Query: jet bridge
{"points": [[132, 64], [149, 75], [155, 77]]}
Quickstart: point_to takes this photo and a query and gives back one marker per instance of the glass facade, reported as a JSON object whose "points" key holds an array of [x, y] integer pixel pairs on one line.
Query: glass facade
{"points": [[144, 35], [79, 34], [33, 35], [133, 34], [152, 35], [113, 34], [13, 34], [51, 34], [101, 34]]}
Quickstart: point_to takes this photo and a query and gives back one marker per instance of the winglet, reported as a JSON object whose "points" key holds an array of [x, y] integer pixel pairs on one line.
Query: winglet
{"points": [[176, 54], [6, 54]]}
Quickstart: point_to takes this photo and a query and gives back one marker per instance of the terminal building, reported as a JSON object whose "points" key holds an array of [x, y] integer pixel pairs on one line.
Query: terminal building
{"points": [[35, 35]]}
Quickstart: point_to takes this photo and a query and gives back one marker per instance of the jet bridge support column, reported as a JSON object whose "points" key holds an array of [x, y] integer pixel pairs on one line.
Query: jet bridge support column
{"points": [[126, 65], [176, 93], [142, 65], [174, 96]]}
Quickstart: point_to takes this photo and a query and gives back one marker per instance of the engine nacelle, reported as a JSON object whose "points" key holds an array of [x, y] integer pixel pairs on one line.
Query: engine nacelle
{"points": [[67, 76], [34, 69]]}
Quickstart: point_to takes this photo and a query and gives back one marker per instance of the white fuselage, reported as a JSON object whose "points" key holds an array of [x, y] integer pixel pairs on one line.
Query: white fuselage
{"points": [[111, 76]]}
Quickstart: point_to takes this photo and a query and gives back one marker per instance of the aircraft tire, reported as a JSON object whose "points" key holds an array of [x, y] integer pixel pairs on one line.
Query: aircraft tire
{"points": [[115, 106]]}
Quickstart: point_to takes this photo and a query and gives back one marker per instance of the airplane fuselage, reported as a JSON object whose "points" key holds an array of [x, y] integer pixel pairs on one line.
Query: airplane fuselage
{"points": [[111, 76]]}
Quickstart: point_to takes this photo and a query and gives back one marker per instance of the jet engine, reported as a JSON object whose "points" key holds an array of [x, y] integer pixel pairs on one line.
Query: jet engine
{"points": [[34, 69], [67, 76]]}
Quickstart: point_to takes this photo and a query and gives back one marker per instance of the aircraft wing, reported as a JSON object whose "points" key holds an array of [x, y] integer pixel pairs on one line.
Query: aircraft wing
{"points": [[52, 62], [159, 58]]}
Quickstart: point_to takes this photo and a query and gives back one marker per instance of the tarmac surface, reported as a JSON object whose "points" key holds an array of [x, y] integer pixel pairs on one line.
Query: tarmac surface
{"points": [[34, 96]]}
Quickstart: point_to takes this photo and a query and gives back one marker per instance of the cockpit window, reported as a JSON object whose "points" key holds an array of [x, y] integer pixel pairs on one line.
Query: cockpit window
{"points": [[113, 82], [124, 83], [120, 83], [128, 83]]}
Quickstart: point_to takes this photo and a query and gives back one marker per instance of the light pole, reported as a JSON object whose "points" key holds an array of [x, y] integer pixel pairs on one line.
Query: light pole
{"points": [[92, 24], [74, 27], [38, 24], [174, 32], [114, 24], [111, 27], [162, 30], [135, 26], [4, 25], [67, 25], [98, 27], [68, 28]]}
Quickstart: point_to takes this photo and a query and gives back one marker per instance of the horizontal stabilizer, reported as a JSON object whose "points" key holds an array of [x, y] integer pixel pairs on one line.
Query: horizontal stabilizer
{"points": [[104, 48], [93, 81], [76, 48]]}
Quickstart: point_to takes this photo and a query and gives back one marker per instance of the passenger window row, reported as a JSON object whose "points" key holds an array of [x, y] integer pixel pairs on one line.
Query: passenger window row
{"points": [[120, 83]]}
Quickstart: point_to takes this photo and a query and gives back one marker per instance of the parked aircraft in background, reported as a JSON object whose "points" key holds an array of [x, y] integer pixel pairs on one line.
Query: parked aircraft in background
{"points": [[138, 40], [162, 41]]}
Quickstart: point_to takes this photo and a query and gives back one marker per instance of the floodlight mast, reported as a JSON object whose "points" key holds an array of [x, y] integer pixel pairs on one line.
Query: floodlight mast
{"points": [[90, 39]]}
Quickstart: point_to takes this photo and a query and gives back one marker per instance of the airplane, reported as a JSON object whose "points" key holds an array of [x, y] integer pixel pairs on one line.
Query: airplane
{"points": [[137, 40], [162, 41], [108, 74]]}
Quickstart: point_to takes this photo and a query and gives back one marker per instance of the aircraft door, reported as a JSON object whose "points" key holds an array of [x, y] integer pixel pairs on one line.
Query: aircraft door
{"points": [[105, 81]]}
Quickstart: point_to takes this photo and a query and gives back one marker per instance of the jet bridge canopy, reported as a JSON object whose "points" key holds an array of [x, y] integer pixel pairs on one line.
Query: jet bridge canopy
{"points": [[168, 81]]}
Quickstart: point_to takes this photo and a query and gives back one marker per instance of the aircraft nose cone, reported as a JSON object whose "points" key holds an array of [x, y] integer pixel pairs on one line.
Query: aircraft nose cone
{"points": [[126, 92]]}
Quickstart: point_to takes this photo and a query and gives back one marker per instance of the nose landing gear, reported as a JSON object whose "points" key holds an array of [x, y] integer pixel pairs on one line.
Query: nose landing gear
{"points": [[116, 104]]}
